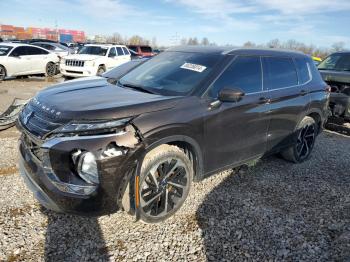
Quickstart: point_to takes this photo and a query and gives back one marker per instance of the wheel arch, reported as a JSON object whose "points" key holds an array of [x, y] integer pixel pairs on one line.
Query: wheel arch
{"points": [[4, 69], [189, 146], [317, 115]]}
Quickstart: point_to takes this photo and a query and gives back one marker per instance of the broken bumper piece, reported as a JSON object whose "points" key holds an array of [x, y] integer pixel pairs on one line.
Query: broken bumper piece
{"points": [[49, 171]]}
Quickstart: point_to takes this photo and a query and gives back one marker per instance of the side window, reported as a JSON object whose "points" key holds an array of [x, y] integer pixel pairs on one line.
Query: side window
{"points": [[36, 51], [19, 51], [126, 51], [303, 70], [120, 51], [112, 52], [244, 73], [279, 72]]}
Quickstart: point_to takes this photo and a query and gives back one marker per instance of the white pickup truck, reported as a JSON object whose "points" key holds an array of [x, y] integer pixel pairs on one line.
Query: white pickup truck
{"points": [[94, 59]]}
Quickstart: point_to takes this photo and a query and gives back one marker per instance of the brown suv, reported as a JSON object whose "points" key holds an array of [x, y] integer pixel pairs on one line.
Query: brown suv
{"points": [[137, 137]]}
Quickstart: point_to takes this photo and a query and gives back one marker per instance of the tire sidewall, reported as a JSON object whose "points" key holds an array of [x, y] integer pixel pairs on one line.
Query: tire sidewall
{"points": [[157, 159], [1, 66], [102, 69]]}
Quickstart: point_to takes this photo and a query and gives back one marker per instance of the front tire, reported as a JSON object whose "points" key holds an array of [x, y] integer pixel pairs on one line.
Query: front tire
{"points": [[2, 72], [50, 69], [165, 181], [101, 70], [306, 135]]}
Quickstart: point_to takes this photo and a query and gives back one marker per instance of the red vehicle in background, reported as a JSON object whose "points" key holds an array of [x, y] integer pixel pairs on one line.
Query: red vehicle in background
{"points": [[141, 50]]}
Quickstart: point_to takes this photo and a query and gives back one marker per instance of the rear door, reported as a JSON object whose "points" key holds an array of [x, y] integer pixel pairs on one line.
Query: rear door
{"points": [[237, 131], [288, 99], [122, 58], [38, 59], [112, 59], [127, 56]]}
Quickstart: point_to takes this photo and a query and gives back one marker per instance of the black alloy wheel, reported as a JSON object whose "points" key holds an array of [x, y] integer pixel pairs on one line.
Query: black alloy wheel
{"points": [[305, 137], [305, 141], [164, 184], [50, 69]]}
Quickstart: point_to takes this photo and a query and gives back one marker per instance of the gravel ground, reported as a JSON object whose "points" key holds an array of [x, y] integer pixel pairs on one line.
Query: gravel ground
{"points": [[23, 88], [274, 211]]}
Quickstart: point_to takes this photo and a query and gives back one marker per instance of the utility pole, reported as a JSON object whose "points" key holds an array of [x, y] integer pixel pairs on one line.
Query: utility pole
{"points": [[174, 40], [56, 30]]}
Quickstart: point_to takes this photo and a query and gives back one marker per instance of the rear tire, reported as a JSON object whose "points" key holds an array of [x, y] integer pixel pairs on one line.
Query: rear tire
{"points": [[101, 70], [165, 181], [50, 69], [305, 139], [2, 72]]}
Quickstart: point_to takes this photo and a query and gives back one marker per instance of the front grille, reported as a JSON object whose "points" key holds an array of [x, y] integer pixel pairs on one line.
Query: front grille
{"points": [[73, 62], [38, 121]]}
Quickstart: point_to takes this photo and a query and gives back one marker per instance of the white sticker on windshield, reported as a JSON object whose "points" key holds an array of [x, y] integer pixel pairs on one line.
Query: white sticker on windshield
{"points": [[194, 67]]}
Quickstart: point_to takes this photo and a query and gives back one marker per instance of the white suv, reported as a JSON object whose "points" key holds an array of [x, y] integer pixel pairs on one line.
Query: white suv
{"points": [[94, 60]]}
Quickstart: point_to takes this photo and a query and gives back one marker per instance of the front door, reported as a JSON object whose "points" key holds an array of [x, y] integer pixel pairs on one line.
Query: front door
{"points": [[237, 131]]}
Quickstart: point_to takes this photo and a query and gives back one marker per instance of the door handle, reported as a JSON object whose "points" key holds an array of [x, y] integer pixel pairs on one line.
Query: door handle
{"points": [[264, 100], [303, 92]]}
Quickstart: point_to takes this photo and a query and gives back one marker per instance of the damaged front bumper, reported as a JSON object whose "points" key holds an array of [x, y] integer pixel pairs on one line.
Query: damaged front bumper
{"points": [[49, 172]]}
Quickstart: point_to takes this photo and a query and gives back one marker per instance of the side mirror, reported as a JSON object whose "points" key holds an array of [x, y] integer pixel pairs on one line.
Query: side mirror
{"points": [[230, 94]]}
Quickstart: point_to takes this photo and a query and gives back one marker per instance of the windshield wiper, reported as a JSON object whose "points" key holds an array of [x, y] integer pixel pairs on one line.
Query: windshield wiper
{"points": [[135, 87]]}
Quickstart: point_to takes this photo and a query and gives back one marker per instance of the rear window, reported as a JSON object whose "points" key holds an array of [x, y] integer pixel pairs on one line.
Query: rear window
{"points": [[120, 51], [303, 70], [279, 72], [126, 51], [146, 49]]}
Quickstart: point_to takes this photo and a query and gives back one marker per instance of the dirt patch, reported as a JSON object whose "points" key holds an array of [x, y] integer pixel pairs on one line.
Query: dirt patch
{"points": [[5, 171]]}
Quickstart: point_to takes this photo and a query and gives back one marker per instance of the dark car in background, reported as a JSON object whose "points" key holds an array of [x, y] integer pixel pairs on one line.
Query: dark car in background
{"points": [[141, 50], [335, 70], [137, 139]]}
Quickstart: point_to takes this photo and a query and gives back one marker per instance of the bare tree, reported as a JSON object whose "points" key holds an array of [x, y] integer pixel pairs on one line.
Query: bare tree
{"points": [[115, 38], [274, 43], [249, 44], [205, 41], [338, 46]]}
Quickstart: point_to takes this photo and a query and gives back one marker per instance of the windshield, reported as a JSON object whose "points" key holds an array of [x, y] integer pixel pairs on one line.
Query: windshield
{"points": [[146, 49], [4, 50], [93, 50], [172, 73], [338, 62]]}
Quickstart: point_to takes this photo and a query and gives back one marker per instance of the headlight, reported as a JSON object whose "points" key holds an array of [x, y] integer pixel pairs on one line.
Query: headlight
{"points": [[63, 60], [92, 127], [87, 168], [90, 63]]}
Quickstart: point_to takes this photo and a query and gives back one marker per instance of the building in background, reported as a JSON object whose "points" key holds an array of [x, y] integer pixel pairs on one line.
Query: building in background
{"points": [[10, 32]]}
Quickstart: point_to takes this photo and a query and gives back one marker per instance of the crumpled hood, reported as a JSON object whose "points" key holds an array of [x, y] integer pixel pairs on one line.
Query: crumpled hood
{"points": [[335, 76], [94, 98], [83, 57]]}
